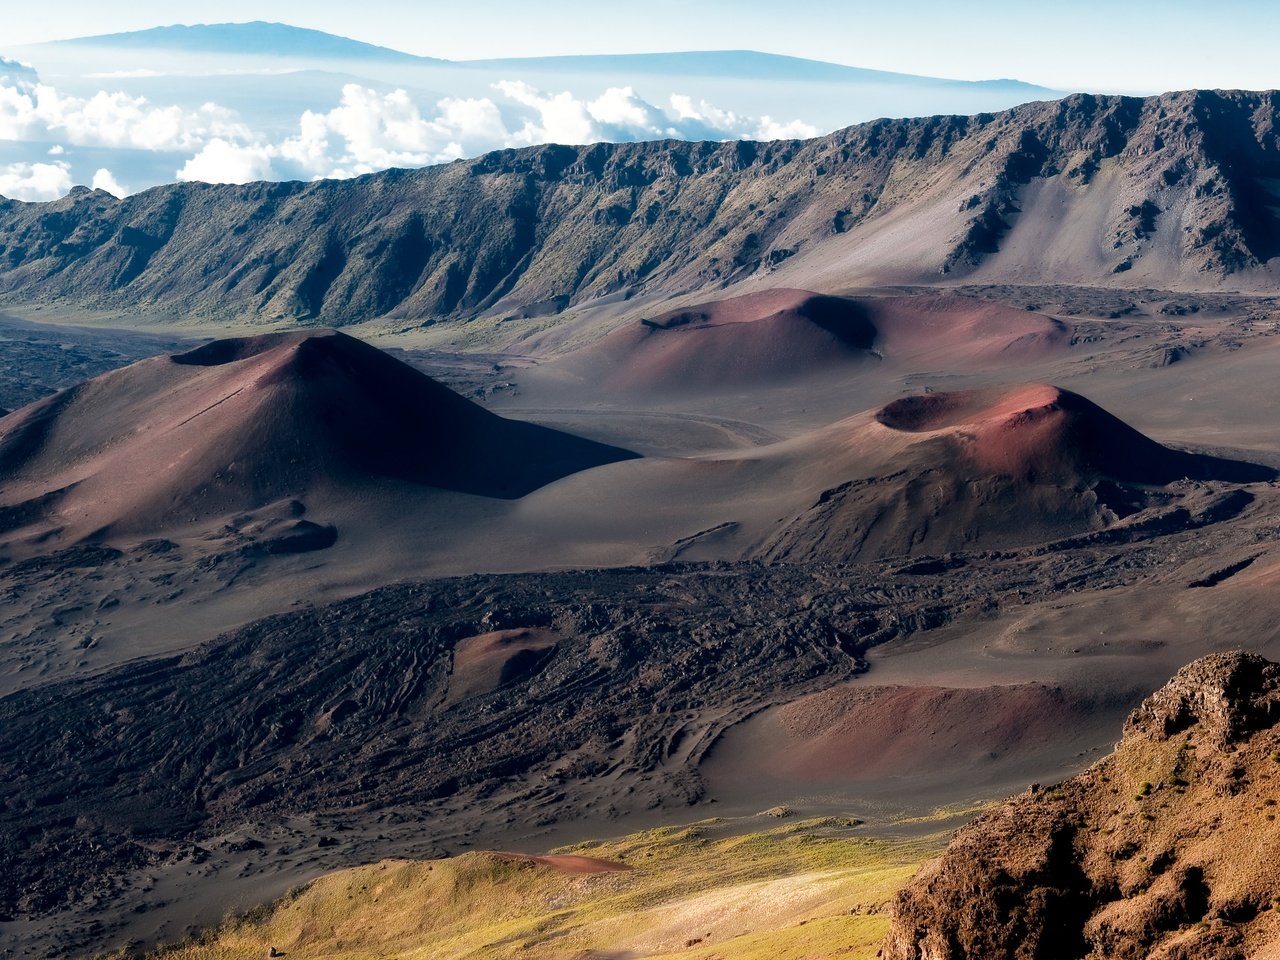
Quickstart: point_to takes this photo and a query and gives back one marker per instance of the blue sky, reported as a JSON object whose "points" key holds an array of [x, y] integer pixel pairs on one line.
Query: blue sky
{"points": [[1120, 45]]}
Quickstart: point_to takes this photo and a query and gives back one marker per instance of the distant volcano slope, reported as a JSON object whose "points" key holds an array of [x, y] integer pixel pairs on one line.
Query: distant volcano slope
{"points": [[774, 336], [1037, 433], [997, 468], [1174, 192], [748, 341], [238, 424]]}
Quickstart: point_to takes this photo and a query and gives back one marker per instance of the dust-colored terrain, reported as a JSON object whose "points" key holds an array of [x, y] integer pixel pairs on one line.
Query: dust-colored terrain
{"points": [[677, 481], [40, 359], [521, 709], [238, 425]]}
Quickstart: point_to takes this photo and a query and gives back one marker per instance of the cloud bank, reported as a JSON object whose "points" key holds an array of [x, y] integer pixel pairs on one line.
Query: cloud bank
{"points": [[366, 131], [35, 181], [31, 110], [369, 131]]}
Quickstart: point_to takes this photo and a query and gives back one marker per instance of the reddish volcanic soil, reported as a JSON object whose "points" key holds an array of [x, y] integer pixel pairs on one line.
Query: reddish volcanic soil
{"points": [[758, 338], [484, 658], [776, 336], [962, 332], [864, 733], [484, 663], [1038, 431], [911, 742], [991, 469], [239, 424]]}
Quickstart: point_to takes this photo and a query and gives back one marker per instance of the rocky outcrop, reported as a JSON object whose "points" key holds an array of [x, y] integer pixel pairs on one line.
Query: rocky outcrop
{"points": [[1174, 190], [1230, 698], [1169, 848]]}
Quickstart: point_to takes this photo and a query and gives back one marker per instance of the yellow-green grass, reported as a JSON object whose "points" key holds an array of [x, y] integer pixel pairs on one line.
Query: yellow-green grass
{"points": [[808, 889]]}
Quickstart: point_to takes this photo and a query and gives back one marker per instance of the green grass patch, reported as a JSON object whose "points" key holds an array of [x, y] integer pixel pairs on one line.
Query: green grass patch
{"points": [[802, 889]]}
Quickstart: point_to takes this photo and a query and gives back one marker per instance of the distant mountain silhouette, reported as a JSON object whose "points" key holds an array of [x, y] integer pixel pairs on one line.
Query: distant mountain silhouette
{"points": [[745, 64], [258, 38], [279, 39]]}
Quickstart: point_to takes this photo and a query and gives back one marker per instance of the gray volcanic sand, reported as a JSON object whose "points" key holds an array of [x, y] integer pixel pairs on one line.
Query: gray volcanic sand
{"points": [[39, 358], [720, 468], [733, 461], [947, 715]]}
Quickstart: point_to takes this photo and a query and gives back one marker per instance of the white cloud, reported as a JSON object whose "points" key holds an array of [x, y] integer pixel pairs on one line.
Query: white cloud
{"points": [[383, 130], [475, 121], [118, 120], [562, 117], [620, 115], [371, 131], [222, 162], [623, 115], [35, 181], [18, 120], [715, 123], [770, 129], [621, 107], [367, 130], [702, 112], [310, 148], [14, 72], [31, 110], [104, 179]]}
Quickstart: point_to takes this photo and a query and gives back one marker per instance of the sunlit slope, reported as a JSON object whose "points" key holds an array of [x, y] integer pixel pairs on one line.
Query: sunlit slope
{"points": [[812, 888]]}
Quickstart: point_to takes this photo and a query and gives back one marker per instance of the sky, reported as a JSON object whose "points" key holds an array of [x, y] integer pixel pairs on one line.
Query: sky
{"points": [[129, 120], [1115, 46]]}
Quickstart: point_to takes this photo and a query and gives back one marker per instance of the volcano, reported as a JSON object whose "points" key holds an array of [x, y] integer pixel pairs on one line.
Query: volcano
{"points": [[241, 423], [783, 335], [996, 468]]}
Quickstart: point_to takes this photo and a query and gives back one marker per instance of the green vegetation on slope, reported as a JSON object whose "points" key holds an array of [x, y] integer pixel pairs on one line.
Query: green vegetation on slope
{"points": [[811, 888]]}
